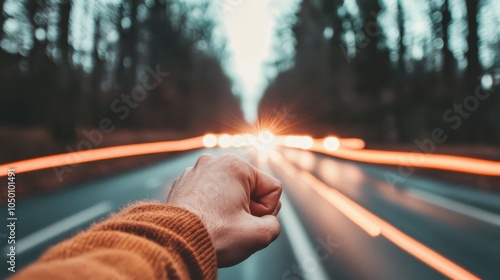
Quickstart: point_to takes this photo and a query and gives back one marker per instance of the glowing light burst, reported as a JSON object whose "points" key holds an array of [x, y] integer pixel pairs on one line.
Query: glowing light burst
{"points": [[265, 141], [266, 137], [261, 141]]}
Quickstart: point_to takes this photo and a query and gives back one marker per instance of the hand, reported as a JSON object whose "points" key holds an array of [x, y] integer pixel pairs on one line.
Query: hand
{"points": [[237, 203]]}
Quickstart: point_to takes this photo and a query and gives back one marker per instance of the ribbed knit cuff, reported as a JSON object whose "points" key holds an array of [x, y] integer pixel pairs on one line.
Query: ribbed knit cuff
{"points": [[185, 224]]}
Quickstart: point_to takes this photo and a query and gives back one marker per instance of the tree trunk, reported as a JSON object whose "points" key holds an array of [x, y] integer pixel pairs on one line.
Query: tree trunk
{"points": [[449, 62], [472, 130], [38, 70], [2, 18], [64, 114], [127, 73], [93, 101]]}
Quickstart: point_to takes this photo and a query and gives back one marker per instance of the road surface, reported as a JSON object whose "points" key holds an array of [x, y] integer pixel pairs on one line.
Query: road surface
{"points": [[320, 238]]}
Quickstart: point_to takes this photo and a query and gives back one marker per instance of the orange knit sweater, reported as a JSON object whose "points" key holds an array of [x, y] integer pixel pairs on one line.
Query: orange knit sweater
{"points": [[144, 241]]}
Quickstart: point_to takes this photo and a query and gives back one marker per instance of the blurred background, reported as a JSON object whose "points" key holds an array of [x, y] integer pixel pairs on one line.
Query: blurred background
{"points": [[390, 72], [386, 71], [64, 63]]}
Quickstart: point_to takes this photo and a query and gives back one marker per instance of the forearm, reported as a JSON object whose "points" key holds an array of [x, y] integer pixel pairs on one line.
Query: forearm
{"points": [[144, 241]]}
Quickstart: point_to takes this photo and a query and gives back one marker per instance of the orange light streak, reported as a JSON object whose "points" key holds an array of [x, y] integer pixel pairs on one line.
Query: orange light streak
{"points": [[375, 226], [347, 207], [352, 143], [421, 160], [102, 154], [350, 209]]}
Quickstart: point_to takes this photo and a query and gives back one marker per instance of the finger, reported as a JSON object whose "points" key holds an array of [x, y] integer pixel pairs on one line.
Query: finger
{"points": [[260, 210], [265, 194], [277, 210]]}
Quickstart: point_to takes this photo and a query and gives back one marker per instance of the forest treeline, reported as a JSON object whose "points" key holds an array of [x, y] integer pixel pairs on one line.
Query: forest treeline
{"points": [[143, 64], [382, 70], [371, 69]]}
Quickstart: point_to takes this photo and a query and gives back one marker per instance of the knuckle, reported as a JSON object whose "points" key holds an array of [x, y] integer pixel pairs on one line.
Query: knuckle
{"points": [[204, 158], [183, 174], [277, 228], [233, 162], [270, 233], [268, 236], [229, 158]]}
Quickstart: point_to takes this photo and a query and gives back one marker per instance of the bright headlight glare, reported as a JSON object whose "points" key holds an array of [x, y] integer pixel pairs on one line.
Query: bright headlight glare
{"points": [[210, 141], [225, 141], [331, 143]]}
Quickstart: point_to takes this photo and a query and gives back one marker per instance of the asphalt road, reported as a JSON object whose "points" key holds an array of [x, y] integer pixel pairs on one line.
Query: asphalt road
{"points": [[318, 240]]}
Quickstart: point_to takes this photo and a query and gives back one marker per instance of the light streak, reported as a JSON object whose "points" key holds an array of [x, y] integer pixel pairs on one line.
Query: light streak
{"points": [[352, 143], [301, 142], [346, 206], [376, 226], [420, 160], [102, 154]]}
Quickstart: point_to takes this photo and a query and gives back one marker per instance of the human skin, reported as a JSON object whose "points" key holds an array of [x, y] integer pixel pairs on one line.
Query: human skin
{"points": [[237, 202]]}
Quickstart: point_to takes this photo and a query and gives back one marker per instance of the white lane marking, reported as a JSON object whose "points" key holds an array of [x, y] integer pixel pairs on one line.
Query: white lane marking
{"points": [[153, 183], [62, 226], [459, 207], [301, 246]]}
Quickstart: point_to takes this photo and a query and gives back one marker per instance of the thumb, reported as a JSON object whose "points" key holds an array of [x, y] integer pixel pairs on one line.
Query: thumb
{"points": [[265, 230]]}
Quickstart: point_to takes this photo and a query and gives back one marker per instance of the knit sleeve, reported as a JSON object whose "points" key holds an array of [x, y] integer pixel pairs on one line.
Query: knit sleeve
{"points": [[143, 241]]}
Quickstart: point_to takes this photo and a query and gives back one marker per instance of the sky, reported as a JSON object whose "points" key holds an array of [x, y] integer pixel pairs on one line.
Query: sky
{"points": [[249, 27]]}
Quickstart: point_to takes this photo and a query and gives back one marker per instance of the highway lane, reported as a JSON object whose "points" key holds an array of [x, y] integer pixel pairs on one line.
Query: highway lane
{"points": [[461, 224], [317, 241]]}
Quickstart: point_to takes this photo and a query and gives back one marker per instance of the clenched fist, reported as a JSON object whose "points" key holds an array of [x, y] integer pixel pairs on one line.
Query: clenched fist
{"points": [[237, 203]]}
